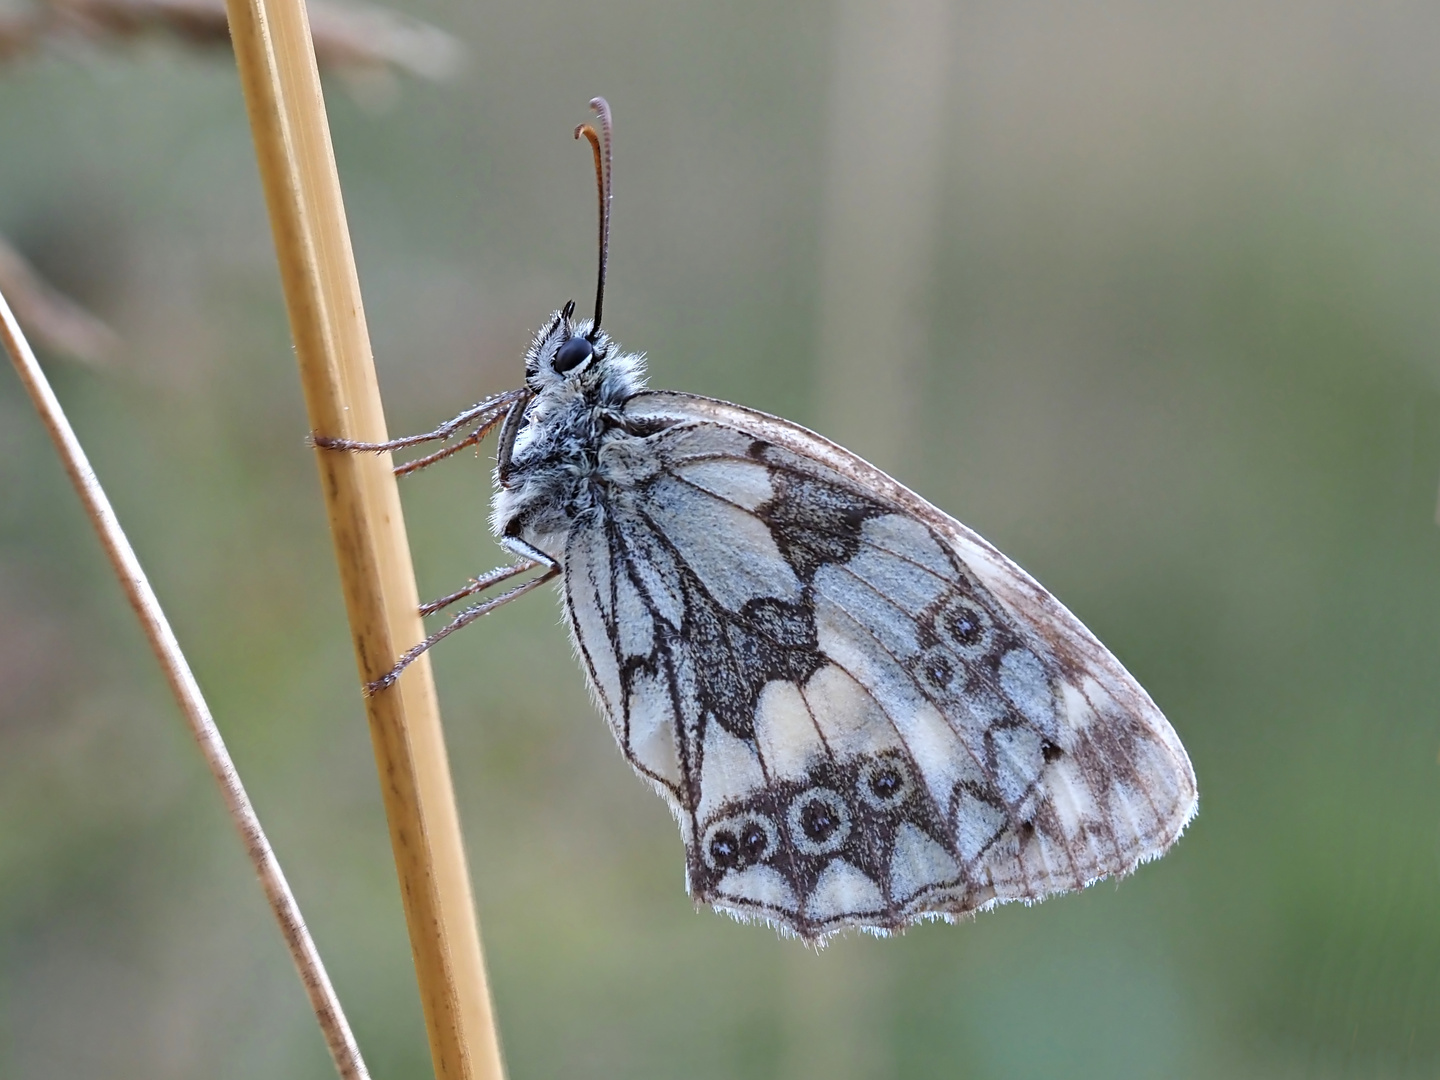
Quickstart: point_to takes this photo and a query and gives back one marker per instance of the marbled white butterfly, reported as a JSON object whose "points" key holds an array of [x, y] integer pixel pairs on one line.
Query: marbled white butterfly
{"points": [[860, 713]]}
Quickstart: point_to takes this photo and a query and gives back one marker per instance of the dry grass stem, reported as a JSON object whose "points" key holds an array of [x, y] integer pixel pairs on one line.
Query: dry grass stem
{"points": [[362, 44], [353, 38], [280, 78], [192, 703]]}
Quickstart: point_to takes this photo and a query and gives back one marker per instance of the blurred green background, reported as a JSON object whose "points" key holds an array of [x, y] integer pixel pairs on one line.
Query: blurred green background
{"points": [[1147, 294]]}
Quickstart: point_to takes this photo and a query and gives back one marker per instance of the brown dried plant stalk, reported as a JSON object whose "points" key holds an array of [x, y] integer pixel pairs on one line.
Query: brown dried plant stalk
{"points": [[54, 319], [158, 632], [349, 37], [362, 44], [281, 82]]}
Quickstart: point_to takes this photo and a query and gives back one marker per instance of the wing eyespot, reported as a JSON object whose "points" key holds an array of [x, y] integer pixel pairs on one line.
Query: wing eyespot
{"points": [[935, 668], [733, 843], [819, 821], [754, 841], [964, 627], [884, 782], [724, 849]]}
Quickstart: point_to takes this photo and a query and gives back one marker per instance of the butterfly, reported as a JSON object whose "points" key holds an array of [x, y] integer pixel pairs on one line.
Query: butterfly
{"points": [[860, 713]]}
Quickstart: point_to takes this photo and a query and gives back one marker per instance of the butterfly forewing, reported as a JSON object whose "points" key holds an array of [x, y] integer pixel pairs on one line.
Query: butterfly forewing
{"points": [[860, 712]]}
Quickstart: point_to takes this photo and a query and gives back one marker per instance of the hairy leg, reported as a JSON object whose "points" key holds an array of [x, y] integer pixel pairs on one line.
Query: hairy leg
{"points": [[465, 618], [479, 584], [487, 414]]}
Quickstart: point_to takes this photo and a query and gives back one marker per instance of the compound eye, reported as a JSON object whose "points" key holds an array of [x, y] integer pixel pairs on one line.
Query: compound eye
{"points": [[571, 355]]}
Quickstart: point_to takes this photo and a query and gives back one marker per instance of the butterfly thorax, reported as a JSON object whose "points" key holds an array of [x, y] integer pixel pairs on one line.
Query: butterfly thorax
{"points": [[573, 438]]}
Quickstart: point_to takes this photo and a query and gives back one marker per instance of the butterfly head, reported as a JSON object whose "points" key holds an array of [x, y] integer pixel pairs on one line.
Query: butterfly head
{"points": [[569, 357], [572, 361]]}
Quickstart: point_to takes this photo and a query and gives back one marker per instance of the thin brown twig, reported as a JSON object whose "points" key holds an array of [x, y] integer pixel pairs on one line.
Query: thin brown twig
{"points": [[349, 37], [55, 320], [158, 632], [362, 43]]}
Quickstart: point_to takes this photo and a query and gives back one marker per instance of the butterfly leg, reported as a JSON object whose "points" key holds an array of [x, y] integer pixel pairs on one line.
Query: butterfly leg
{"points": [[469, 440], [479, 584], [465, 618], [488, 413]]}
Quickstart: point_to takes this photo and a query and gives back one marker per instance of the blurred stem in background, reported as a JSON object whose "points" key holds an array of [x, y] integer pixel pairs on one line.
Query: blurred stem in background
{"points": [[878, 249], [881, 222], [365, 46]]}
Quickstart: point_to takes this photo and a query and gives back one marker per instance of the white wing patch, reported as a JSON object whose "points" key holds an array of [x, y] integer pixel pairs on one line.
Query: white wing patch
{"points": [[1025, 682], [852, 723], [861, 713], [895, 580], [758, 885], [909, 540], [730, 769], [707, 531], [918, 863], [786, 735], [633, 622], [650, 729], [746, 484], [843, 891]]}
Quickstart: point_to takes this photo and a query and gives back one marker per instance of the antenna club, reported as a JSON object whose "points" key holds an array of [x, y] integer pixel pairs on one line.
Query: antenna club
{"points": [[600, 146]]}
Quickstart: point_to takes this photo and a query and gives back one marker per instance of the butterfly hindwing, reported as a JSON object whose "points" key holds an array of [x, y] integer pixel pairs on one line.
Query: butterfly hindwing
{"points": [[860, 712]]}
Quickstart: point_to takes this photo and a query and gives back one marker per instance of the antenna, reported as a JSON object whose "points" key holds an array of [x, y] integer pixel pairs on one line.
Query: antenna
{"points": [[600, 144]]}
